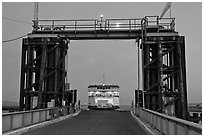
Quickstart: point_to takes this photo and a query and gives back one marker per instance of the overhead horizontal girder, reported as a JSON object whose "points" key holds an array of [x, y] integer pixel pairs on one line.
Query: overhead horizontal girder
{"points": [[91, 35]]}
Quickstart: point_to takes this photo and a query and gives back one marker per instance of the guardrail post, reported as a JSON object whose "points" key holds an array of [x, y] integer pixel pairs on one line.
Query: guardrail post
{"points": [[45, 115], [175, 129], [146, 115], [31, 117], [148, 119], [186, 129], [23, 119], [156, 121], [161, 124], [40, 115], [11, 122], [167, 126]]}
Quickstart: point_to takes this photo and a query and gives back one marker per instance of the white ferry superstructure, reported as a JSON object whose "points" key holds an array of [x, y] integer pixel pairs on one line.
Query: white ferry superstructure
{"points": [[103, 96]]}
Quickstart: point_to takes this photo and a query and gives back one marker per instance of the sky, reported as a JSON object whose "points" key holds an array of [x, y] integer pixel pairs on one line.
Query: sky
{"points": [[89, 60]]}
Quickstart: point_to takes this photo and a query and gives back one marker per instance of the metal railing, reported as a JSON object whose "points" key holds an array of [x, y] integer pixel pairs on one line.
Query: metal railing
{"points": [[107, 25], [168, 125], [15, 120]]}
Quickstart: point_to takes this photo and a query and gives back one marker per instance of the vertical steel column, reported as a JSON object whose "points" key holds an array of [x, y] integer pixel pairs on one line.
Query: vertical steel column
{"points": [[146, 74], [182, 77], [64, 52], [27, 103], [22, 92], [143, 38], [42, 73], [50, 71], [29, 76], [160, 75], [56, 77], [138, 85]]}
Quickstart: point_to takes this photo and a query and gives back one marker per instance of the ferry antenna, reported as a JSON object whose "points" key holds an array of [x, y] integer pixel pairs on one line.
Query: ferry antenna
{"points": [[103, 79]]}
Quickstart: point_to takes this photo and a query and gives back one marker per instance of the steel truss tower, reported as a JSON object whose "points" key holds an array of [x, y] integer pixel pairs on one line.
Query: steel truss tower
{"points": [[164, 74], [42, 72]]}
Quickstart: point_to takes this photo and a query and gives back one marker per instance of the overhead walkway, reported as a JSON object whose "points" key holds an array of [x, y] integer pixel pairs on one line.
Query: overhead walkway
{"points": [[104, 29]]}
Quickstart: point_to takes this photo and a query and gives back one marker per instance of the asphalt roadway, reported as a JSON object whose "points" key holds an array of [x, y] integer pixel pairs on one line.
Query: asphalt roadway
{"points": [[94, 122]]}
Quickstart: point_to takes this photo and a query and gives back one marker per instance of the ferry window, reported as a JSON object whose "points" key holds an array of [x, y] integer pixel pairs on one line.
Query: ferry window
{"points": [[195, 115]]}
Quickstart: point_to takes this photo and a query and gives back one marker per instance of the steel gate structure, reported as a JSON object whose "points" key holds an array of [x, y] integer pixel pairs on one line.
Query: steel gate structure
{"points": [[163, 59], [43, 71]]}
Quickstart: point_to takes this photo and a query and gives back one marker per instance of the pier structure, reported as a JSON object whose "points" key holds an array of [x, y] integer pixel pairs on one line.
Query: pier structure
{"points": [[163, 60]]}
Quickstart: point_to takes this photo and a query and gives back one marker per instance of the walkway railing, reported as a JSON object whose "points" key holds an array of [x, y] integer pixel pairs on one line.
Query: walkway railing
{"points": [[168, 125], [15, 120], [107, 25]]}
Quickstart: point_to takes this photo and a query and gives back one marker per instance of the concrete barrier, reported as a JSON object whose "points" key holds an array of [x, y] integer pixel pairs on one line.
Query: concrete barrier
{"points": [[168, 125], [15, 120]]}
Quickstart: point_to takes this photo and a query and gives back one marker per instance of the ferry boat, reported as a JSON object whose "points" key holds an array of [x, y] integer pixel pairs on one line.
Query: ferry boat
{"points": [[103, 96]]}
